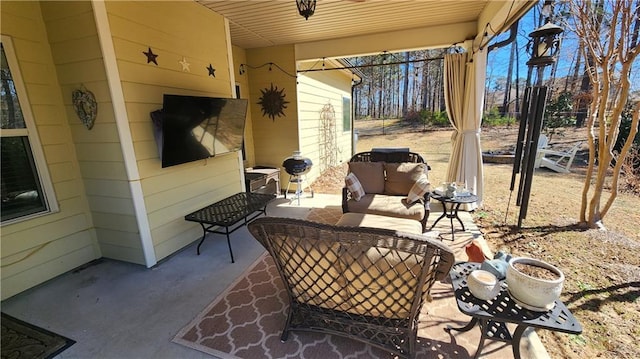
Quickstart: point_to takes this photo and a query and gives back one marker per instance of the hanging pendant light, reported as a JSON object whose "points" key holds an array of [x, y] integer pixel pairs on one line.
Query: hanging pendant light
{"points": [[306, 8]]}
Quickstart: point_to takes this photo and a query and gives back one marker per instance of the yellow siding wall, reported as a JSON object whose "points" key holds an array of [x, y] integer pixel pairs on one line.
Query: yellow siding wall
{"points": [[274, 140], [173, 30], [322, 135], [240, 57], [39, 249], [78, 58]]}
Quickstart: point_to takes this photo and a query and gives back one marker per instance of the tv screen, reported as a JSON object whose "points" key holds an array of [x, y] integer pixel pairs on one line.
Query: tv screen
{"points": [[191, 128]]}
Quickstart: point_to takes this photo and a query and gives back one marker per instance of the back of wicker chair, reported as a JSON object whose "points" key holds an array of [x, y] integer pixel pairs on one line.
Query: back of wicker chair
{"points": [[366, 284]]}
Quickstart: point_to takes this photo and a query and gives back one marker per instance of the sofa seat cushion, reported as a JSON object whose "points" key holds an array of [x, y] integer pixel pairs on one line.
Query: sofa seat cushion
{"points": [[384, 205], [351, 219]]}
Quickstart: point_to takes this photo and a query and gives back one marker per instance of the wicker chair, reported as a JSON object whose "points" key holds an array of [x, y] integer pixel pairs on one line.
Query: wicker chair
{"points": [[366, 284]]}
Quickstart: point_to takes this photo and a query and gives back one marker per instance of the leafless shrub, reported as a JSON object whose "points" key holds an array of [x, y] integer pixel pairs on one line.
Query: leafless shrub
{"points": [[631, 172]]}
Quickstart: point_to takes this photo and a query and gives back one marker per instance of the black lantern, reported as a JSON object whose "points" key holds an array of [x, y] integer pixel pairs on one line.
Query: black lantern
{"points": [[306, 7], [545, 45]]}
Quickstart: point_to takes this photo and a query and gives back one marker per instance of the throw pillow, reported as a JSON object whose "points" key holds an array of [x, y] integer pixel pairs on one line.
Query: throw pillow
{"points": [[354, 186], [418, 190], [402, 176], [370, 175]]}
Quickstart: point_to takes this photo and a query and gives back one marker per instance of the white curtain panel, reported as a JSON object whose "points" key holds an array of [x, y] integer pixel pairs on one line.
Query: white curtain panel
{"points": [[464, 98]]}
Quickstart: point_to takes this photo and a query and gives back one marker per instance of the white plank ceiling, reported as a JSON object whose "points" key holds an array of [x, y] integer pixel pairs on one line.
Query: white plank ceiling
{"points": [[261, 23]]}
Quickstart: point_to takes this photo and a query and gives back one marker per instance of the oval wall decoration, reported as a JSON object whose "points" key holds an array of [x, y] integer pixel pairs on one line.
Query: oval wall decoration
{"points": [[86, 106]]}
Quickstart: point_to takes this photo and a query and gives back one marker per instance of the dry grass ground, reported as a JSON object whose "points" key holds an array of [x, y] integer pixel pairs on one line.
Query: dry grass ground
{"points": [[602, 268]]}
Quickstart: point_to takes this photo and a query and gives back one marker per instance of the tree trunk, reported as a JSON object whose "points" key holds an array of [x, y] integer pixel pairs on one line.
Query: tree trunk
{"points": [[585, 85], [507, 87], [405, 85], [576, 72], [425, 86]]}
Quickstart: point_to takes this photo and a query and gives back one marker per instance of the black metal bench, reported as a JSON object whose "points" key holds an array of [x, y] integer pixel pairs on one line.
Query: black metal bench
{"points": [[228, 212]]}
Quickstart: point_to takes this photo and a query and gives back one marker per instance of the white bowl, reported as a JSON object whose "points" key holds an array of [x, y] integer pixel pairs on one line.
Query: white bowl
{"points": [[483, 284], [530, 292]]}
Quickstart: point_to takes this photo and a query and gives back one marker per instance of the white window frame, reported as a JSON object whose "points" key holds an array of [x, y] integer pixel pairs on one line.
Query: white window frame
{"points": [[31, 132]]}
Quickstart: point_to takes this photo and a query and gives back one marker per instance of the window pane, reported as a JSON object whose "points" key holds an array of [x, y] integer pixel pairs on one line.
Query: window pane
{"points": [[346, 114], [11, 115], [21, 191]]}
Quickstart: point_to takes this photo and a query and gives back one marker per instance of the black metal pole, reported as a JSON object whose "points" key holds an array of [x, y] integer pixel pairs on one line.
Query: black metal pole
{"points": [[521, 132], [526, 146], [536, 128]]}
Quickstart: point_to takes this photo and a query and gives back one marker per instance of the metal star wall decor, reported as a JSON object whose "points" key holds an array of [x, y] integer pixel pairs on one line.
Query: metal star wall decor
{"points": [[272, 102], [212, 71], [185, 65], [151, 57]]}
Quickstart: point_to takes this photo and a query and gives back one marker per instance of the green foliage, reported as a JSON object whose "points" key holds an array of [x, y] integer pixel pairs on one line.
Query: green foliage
{"points": [[578, 339], [557, 114], [435, 118], [492, 118], [428, 118], [584, 287]]}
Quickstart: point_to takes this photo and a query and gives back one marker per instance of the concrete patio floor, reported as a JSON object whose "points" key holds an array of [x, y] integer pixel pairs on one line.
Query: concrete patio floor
{"points": [[114, 309]]}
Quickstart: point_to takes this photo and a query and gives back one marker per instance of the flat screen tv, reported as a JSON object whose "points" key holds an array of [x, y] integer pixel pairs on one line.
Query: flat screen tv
{"points": [[191, 128]]}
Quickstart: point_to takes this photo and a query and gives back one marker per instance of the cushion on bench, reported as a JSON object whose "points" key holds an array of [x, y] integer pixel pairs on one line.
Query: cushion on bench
{"points": [[384, 205], [352, 219]]}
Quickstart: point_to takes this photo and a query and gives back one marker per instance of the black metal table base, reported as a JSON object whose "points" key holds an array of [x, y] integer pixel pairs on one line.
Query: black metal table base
{"points": [[227, 232], [451, 215], [493, 330]]}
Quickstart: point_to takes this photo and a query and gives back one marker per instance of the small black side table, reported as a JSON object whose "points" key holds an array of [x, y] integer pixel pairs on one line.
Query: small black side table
{"points": [[492, 315], [455, 206]]}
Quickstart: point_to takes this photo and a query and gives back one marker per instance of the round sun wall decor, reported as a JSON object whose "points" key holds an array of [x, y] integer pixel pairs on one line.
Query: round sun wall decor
{"points": [[272, 102]]}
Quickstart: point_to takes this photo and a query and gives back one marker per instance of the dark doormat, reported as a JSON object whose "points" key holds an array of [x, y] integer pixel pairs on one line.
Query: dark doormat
{"points": [[22, 340]]}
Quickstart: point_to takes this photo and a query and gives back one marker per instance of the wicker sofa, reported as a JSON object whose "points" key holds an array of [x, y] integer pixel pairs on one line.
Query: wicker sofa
{"points": [[387, 178], [366, 284]]}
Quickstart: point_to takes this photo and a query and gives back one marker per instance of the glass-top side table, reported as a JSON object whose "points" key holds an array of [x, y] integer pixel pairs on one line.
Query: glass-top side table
{"points": [[493, 315], [452, 213]]}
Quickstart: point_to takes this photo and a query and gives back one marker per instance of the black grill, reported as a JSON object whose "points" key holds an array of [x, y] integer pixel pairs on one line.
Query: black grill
{"points": [[297, 165]]}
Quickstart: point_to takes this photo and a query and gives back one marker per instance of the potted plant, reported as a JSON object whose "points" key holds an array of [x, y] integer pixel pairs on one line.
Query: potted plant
{"points": [[534, 284]]}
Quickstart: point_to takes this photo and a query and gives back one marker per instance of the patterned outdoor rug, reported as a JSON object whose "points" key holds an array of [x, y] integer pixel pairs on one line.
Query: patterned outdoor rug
{"points": [[328, 215], [21, 340]]}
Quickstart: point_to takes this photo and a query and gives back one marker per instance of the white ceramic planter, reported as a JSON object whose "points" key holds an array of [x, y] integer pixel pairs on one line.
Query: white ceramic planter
{"points": [[483, 285], [533, 293]]}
